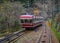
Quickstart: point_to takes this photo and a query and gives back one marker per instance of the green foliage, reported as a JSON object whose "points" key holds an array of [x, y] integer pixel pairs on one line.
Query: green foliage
{"points": [[56, 33], [1, 1], [27, 2], [9, 17], [55, 30], [22, 1], [31, 2], [56, 1]]}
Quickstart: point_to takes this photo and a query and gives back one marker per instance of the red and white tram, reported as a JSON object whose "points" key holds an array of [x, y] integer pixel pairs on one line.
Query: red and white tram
{"points": [[30, 21]]}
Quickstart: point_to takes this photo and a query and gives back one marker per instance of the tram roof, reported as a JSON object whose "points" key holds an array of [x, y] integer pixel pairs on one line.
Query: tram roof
{"points": [[26, 16], [29, 16]]}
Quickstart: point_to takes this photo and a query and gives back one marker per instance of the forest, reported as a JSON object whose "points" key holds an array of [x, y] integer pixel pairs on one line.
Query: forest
{"points": [[10, 11], [9, 16]]}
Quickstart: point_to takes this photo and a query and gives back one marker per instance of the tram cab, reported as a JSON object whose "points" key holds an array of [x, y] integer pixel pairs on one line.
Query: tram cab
{"points": [[26, 21]]}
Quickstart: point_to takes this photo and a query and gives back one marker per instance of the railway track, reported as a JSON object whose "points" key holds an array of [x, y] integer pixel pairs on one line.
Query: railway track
{"points": [[9, 39], [20, 36], [13, 38], [39, 36], [30, 37], [44, 37]]}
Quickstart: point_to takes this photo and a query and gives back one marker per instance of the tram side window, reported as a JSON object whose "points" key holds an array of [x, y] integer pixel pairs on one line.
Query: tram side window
{"points": [[26, 20], [34, 20]]}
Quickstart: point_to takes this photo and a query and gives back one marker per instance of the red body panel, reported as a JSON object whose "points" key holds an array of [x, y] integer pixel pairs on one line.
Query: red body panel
{"points": [[36, 24], [30, 25], [26, 25]]}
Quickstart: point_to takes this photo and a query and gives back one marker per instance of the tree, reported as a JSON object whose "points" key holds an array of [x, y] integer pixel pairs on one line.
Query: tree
{"points": [[1, 1], [57, 20], [9, 16]]}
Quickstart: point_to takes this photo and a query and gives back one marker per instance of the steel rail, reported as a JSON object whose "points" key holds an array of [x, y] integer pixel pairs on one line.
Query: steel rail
{"points": [[43, 36], [12, 37], [40, 37]]}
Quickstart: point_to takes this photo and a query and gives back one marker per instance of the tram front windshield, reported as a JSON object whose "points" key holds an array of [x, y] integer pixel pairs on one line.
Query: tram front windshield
{"points": [[26, 20]]}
